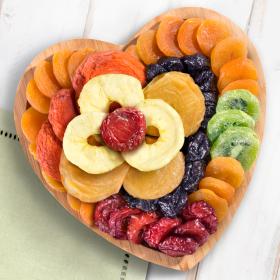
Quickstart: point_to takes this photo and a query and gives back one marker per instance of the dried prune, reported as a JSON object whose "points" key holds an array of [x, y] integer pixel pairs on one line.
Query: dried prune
{"points": [[196, 147], [210, 97], [210, 110], [206, 80], [195, 63], [171, 64], [153, 70]]}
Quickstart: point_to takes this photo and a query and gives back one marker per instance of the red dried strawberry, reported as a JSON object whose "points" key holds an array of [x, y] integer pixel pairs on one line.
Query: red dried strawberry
{"points": [[123, 129], [175, 246], [197, 210], [119, 220], [210, 222], [157, 231], [194, 229], [104, 208], [138, 223]]}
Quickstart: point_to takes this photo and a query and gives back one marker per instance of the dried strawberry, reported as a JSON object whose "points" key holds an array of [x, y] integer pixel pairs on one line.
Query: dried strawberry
{"points": [[119, 220], [104, 208], [194, 229], [157, 231], [124, 129], [176, 246], [138, 223], [210, 222], [198, 209]]}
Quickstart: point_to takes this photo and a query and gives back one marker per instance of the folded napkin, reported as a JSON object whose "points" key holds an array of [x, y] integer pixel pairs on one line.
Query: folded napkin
{"points": [[38, 238]]}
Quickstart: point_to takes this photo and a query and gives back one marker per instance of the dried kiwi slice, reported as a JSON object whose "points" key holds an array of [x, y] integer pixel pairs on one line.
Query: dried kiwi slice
{"points": [[240, 143], [225, 119], [239, 99]]}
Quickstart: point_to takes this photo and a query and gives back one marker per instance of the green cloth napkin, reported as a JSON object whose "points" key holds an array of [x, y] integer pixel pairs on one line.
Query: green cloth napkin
{"points": [[38, 238]]}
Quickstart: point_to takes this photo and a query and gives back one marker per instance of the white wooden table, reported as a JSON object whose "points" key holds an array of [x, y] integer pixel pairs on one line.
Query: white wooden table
{"points": [[250, 248]]}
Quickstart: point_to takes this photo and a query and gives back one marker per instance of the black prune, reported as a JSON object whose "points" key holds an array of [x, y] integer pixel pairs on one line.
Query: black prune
{"points": [[196, 147], [206, 80], [171, 64], [195, 63], [210, 110], [153, 70], [210, 97]]}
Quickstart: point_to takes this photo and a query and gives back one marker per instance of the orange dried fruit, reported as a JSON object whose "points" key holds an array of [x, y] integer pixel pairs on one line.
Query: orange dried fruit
{"points": [[147, 48], [87, 213], [219, 187], [152, 131], [36, 98], [31, 122], [131, 49], [60, 62], [76, 59], [32, 150], [187, 36], [73, 202], [225, 51], [150, 139], [227, 169], [52, 183], [91, 187], [155, 184], [219, 204], [166, 36], [45, 79], [237, 69], [247, 84], [211, 32]]}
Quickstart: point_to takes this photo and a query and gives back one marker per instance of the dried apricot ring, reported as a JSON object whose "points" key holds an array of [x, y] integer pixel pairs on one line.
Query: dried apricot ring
{"points": [[225, 51], [36, 98], [131, 49], [209, 33], [187, 36], [247, 84], [76, 59], [60, 62], [237, 69], [219, 204], [31, 122], [166, 36], [48, 151], [53, 184], [147, 48], [45, 79], [73, 202], [219, 187], [227, 169], [87, 213]]}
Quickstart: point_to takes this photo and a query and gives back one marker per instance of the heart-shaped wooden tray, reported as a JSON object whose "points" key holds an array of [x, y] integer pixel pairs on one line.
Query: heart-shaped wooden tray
{"points": [[186, 262]]}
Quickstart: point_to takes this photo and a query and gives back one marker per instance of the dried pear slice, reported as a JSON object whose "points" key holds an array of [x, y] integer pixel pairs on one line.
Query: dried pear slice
{"points": [[90, 187], [155, 184]]}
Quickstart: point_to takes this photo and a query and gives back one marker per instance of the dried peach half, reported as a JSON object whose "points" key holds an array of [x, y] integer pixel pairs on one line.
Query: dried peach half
{"points": [[227, 169], [166, 36], [147, 48], [225, 51], [87, 213], [219, 187], [155, 184], [187, 36], [219, 204], [36, 98], [211, 32], [45, 79], [60, 62], [90, 187], [31, 122], [73, 202], [247, 84]]}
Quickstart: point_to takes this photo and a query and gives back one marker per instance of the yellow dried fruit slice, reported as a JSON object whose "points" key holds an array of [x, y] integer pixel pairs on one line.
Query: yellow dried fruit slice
{"points": [[155, 184], [90, 187], [32, 150], [73, 202], [55, 185]]}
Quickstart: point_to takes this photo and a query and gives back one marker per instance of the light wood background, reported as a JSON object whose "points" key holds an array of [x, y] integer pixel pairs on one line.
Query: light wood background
{"points": [[250, 248]]}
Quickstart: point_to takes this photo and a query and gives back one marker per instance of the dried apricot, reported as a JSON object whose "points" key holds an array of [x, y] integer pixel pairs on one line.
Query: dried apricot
{"points": [[36, 98], [187, 36], [87, 213], [147, 48], [209, 33], [225, 51], [76, 59], [31, 122], [53, 184], [131, 49], [45, 79], [60, 62], [219, 204], [73, 202], [248, 84], [48, 151], [32, 150], [219, 187], [166, 36], [227, 169], [237, 69]]}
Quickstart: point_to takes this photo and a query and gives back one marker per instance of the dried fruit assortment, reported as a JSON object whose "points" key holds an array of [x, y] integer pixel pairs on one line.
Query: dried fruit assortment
{"points": [[150, 144]]}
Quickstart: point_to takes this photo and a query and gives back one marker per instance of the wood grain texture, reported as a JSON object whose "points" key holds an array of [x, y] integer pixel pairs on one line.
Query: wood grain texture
{"points": [[186, 262]]}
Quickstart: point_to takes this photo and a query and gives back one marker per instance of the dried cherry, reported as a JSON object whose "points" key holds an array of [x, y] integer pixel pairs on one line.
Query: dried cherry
{"points": [[197, 210]]}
